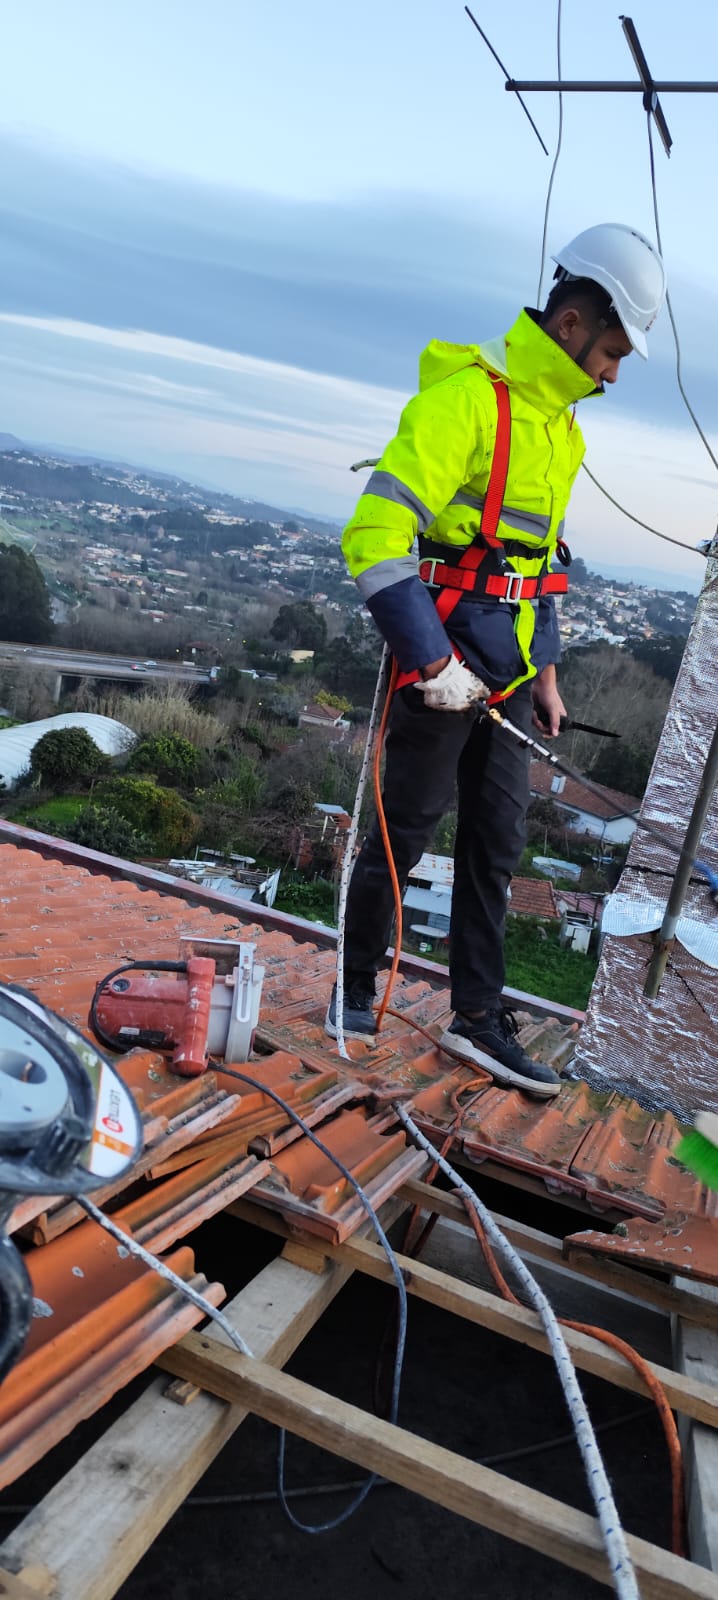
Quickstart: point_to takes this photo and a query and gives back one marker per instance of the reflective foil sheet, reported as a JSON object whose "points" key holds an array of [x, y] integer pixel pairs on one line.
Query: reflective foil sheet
{"points": [[664, 1052]]}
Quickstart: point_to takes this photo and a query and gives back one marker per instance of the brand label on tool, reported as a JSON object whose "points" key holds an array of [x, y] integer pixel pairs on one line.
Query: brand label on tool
{"points": [[114, 1118]]}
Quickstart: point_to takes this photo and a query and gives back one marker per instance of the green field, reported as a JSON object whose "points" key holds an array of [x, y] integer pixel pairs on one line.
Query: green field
{"points": [[11, 535], [62, 810]]}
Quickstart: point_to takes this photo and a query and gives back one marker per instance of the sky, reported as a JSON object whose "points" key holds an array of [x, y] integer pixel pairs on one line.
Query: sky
{"points": [[230, 230]]}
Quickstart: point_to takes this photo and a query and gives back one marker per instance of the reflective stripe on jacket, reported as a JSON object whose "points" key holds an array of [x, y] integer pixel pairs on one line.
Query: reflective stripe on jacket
{"points": [[431, 481]]}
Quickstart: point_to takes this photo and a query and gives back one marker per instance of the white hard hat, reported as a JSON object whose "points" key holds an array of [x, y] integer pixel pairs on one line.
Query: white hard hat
{"points": [[628, 267]]}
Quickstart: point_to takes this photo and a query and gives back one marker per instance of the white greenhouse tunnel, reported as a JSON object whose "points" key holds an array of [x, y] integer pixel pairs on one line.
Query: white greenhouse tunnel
{"points": [[17, 744]]}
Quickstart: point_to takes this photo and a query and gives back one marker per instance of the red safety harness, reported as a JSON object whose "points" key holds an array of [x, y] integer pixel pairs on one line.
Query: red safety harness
{"points": [[464, 577]]}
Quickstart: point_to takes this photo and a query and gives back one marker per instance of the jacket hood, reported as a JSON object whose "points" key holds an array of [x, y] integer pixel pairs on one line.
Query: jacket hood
{"points": [[526, 357]]}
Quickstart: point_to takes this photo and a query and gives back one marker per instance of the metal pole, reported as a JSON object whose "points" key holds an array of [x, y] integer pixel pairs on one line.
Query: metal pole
{"points": [[592, 86], [666, 934]]}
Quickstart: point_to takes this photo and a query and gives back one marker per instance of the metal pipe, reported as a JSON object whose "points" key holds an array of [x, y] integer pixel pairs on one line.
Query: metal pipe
{"points": [[665, 936], [590, 86]]}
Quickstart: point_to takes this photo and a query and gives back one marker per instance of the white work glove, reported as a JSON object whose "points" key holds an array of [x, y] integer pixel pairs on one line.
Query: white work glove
{"points": [[453, 689]]}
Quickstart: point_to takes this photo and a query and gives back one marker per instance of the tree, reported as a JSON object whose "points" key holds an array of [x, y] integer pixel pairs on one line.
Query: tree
{"points": [[24, 599], [663, 653], [300, 626], [349, 662], [100, 827], [604, 685], [65, 757], [168, 757], [324, 697], [579, 571], [162, 816]]}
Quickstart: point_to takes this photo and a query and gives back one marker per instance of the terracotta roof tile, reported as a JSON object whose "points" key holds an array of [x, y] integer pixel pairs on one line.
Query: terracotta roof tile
{"points": [[66, 922]]}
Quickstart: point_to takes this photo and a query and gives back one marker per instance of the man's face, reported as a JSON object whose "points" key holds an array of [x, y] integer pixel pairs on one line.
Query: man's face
{"points": [[605, 356], [608, 350]]}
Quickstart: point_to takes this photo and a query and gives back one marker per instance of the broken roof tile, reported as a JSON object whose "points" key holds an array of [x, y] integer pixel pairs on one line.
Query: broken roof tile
{"points": [[101, 1317]]}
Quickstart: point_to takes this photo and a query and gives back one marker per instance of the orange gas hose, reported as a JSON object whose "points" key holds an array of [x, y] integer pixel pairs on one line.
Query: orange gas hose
{"points": [[641, 1366], [376, 772]]}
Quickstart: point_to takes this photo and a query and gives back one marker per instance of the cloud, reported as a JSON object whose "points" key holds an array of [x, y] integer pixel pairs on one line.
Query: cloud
{"points": [[274, 430], [262, 344], [141, 390], [354, 289]]}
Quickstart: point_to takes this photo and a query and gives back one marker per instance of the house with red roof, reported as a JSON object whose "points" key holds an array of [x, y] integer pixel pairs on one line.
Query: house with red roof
{"points": [[607, 815]]}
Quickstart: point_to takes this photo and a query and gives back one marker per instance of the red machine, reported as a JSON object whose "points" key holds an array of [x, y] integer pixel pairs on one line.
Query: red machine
{"points": [[207, 1004], [162, 1005]]}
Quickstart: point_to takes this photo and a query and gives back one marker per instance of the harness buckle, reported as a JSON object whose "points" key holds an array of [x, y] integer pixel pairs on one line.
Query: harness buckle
{"points": [[432, 562], [514, 587]]}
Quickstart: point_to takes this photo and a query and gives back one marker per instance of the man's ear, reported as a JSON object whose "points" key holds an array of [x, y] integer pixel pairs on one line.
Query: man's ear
{"points": [[566, 324]]}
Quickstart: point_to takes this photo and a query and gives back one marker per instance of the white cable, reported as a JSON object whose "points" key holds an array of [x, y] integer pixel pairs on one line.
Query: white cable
{"points": [[555, 159], [669, 307], [614, 1539], [135, 1249], [348, 856], [666, 536]]}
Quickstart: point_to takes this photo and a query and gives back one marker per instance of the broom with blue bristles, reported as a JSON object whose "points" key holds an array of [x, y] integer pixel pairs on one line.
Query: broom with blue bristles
{"points": [[698, 1149]]}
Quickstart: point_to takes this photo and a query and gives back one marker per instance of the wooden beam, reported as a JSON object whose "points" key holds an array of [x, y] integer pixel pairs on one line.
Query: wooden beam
{"points": [[696, 1352], [96, 1524], [30, 1584], [454, 1250], [690, 1396], [629, 1281], [693, 1398], [448, 1479]]}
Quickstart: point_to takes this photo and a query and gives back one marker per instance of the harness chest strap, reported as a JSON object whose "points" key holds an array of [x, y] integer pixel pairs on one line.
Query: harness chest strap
{"points": [[461, 579]]}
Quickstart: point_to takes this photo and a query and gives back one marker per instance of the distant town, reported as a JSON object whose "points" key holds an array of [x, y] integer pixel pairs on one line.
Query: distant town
{"points": [[118, 538]]}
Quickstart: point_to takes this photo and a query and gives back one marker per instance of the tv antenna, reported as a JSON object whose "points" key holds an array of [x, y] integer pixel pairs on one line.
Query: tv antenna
{"points": [[644, 84]]}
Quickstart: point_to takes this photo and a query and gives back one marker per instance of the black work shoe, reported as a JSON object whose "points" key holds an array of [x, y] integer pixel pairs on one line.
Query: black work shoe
{"points": [[491, 1041], [358, 1012]]}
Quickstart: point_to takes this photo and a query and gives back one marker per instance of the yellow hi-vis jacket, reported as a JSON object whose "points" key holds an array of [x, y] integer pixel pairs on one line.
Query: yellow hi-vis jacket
{"points": [[431, 481]]}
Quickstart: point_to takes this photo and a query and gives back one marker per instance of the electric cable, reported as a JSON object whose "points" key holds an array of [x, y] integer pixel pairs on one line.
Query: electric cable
{"points": [[667, 537], [559, 1441], [131, 1245], [475, 1212], [640, 1366], [614, 1539], [347, 1174], [669, 307], [557, 153], [267, 1496], [133, 1248], [107, 1039]]}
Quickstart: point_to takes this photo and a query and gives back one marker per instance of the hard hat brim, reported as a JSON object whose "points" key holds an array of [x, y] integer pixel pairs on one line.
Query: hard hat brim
{"points": [[637, 338]]}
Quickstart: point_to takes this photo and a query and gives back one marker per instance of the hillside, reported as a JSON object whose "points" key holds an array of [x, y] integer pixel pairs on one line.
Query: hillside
{"points": [[42, 475]]}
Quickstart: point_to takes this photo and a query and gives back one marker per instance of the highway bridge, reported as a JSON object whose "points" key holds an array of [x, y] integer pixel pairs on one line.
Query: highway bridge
{"points": [[61, 664]]}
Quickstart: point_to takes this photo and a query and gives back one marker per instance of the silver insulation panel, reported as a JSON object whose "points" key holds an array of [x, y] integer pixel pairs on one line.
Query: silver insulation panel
{"points": [[663, 1052]]}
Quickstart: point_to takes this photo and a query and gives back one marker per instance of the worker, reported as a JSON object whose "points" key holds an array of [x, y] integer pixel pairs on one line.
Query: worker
{"points": [[481, 469]]}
